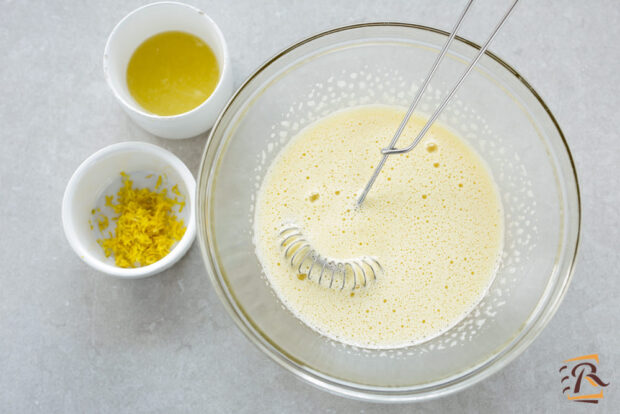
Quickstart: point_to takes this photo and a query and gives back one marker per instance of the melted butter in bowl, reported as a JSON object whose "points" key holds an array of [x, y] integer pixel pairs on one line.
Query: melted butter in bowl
{"points": [[172, 72]]}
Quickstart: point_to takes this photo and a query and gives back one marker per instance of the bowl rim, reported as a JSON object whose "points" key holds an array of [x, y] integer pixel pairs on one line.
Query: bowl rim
{"points": [[513, 348], [225, 64], [68, 201]]}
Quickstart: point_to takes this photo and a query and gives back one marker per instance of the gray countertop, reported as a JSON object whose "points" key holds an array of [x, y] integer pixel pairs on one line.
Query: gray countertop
{"points": [[74, 340]]}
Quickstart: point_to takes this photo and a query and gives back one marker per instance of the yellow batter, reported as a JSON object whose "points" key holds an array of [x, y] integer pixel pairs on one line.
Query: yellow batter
{"points": [[433, 219]]}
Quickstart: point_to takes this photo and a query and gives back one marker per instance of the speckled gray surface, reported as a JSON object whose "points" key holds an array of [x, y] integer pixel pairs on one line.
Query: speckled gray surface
{"points": [[73, 340]]}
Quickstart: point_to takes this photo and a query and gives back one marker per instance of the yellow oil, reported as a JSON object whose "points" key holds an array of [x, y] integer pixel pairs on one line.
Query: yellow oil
{"points": [[172, 73]]}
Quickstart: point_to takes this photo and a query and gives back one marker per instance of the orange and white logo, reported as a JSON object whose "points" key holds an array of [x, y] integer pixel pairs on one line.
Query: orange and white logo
{"points": [[581, 381]]}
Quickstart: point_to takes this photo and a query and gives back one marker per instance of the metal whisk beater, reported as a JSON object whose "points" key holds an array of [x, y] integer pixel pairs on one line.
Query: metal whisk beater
{"points": [[391, 148], [332, 273], [360, 271]]}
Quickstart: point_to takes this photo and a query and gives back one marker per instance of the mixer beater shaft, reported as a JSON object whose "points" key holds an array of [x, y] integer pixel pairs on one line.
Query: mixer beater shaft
{"points": [[391, 149], [359, 272]]}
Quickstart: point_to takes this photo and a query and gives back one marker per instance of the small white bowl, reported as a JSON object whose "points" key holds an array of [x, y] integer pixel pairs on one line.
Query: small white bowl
{"points": [[98, 176], [145, 22]]}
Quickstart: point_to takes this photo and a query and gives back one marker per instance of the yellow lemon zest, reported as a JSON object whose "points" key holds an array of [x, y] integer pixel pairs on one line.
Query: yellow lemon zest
{"points": [[146, 226]]}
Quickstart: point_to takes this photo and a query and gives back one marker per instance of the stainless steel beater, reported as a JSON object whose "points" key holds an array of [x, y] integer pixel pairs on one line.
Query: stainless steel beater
{"points": [[332, 273], [361, 271], [391, 149]]}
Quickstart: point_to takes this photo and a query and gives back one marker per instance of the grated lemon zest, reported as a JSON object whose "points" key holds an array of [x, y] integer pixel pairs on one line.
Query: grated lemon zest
{"points": [[146, 227], [103, 222]]}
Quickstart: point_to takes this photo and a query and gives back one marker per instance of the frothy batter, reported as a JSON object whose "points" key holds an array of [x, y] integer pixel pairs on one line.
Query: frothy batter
{"points": [[433, 219]]}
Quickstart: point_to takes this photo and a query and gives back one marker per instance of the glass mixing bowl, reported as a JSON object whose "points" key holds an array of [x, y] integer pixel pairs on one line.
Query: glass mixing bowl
{"points": [[496, 111]]}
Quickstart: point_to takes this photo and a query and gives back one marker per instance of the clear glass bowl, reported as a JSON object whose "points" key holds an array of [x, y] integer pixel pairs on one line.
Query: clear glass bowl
{"points": [[496, 111]]}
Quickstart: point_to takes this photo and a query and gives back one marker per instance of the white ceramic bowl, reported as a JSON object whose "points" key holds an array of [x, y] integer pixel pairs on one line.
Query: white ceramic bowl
{"points": [[145, 22], [98, 176]]}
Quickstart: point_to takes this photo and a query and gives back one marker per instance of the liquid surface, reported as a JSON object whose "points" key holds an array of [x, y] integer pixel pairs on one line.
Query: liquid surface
{"points": [[172, 73], [433, 219]]}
